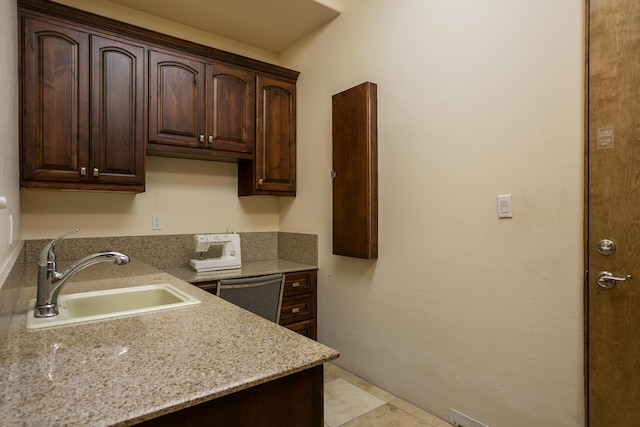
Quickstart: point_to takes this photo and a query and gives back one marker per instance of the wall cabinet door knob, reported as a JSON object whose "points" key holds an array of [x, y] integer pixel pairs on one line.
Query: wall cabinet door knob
{"points": [[96, 172], [83, 171]]}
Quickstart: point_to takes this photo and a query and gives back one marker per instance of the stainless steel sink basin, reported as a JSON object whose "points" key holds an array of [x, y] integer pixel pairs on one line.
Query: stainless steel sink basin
{"points": [[99, 305]]}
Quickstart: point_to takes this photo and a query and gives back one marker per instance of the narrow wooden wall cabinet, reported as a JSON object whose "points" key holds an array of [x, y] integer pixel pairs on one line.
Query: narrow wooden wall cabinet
{"points": [[355, 172]]}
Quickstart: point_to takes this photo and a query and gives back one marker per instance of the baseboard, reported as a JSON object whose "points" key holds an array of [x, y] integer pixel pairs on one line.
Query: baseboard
{"points": [[5, 269]]}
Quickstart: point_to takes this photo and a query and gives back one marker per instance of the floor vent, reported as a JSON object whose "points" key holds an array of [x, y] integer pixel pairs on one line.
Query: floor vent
{"points": [[460, 420]]}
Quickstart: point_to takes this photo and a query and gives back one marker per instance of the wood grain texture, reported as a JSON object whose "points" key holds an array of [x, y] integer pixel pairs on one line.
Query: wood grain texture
{"points": [[614, 211], [83, 102], [118, 103], [55, 110], [355, 164], [231, 108], [176, 99], [273, 169]]}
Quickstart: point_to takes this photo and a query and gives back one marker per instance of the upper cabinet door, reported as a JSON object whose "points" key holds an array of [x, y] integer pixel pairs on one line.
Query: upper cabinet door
{"points": [[231, 95], [55, 102], [275, 157], [117, 111], [176, 100]]}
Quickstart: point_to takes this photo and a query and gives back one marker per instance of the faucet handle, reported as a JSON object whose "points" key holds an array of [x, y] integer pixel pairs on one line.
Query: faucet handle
{"points": [[47, 253]]}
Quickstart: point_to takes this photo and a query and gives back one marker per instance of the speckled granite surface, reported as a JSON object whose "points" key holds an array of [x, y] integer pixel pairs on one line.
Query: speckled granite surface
{"points": [[166, 251], [126, 370], [251, 268]]}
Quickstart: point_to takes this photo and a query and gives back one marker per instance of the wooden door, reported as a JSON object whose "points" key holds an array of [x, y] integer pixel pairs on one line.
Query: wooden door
{"points": [[176, 100], [117, 112], [613, 322], [275, 160], [55, 102], [231, 109]]}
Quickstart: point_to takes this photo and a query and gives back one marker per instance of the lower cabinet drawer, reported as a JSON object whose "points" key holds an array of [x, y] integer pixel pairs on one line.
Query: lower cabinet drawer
{"points": [[300, 282], [297, 308], [308, 328]]}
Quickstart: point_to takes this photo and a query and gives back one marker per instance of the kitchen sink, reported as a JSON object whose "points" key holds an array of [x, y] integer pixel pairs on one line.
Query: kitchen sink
{"points": [[106, 304]]}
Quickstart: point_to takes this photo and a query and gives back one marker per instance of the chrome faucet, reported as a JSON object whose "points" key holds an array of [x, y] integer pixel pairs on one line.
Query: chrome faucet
{"points": [[51, 282]]}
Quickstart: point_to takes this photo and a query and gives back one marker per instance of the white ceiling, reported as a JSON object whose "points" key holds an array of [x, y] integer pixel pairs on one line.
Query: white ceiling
{"points": [[272, 25]]}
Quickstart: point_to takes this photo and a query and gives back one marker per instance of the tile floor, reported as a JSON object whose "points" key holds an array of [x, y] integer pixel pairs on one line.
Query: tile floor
{"points": [[350, 401]]}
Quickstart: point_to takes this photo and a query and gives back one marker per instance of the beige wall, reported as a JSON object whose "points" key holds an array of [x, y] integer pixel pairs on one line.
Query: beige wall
{"points": [[476, 99], [192, 196], [8, 135]]}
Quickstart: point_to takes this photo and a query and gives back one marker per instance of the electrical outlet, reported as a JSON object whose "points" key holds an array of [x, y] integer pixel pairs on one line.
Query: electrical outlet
{"points": [[459, 419], [156, 222]]}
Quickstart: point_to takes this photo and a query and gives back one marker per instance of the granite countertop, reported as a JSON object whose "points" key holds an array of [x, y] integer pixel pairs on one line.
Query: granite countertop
{"points": [[126, 370], [249, 269]]}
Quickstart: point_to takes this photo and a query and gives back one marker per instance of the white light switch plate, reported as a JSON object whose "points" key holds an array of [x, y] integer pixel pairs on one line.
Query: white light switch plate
{"points": [[504, 206]]}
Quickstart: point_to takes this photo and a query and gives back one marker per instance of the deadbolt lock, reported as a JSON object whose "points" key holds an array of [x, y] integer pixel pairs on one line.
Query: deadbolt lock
{"points": [[606, 247]]}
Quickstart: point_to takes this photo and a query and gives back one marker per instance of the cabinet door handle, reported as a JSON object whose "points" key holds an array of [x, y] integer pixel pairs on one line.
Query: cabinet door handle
{"points": [[295, 284], [201, 138], [260, 181], [210, 139], [295, 310], [96, 172], [83, 171]]}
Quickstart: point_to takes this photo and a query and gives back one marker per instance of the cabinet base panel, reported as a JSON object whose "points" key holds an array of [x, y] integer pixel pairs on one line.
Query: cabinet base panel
{"points": [[292, 401]]}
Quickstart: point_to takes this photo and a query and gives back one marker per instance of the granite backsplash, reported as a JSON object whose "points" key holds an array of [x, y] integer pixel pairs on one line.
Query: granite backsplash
{"points": [[176, 250], [164, 251]]}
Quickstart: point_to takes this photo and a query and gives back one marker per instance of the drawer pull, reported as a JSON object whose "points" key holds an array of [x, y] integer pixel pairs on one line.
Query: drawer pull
{"points": [[295, 284], [295, 310]]}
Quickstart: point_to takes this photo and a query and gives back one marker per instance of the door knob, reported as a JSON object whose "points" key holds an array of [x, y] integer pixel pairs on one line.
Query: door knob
{"points": [[608, 280]]}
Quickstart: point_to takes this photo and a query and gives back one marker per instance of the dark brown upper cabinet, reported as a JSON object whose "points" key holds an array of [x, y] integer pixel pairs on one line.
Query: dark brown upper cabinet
{"points": [[355, 172], [117, 113], [176, 101], [97, 94], [232, 110], [199, 109], [82, 104], [273, 170]]}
